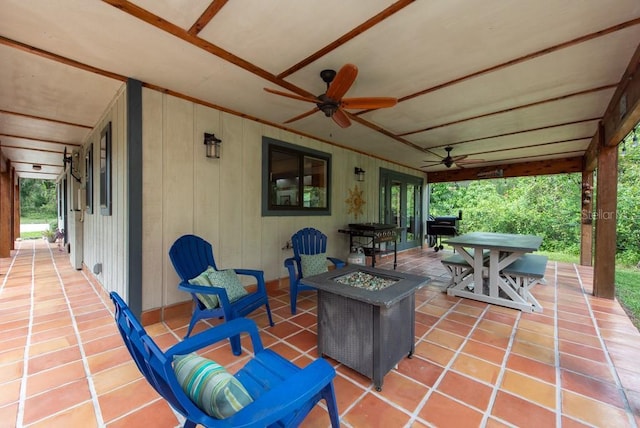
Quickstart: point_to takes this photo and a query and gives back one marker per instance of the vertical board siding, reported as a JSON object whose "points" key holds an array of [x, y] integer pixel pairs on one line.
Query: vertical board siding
{"points": [[105, 236], [153, 245], [219, 199], [178, 199]]}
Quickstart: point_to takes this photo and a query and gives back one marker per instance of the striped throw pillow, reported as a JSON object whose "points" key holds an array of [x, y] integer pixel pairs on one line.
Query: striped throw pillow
{"points": [[214, 390]]}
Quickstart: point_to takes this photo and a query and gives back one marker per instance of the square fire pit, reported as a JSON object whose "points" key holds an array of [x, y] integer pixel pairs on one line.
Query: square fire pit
{"points": [[366, 317]]}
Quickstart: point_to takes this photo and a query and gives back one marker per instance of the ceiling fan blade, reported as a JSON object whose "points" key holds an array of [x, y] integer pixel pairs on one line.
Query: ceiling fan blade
{"points": [[303, 115], [459, 158], [342, 82], [369, 102], [467, 161], [288, 95], [341, 118]]}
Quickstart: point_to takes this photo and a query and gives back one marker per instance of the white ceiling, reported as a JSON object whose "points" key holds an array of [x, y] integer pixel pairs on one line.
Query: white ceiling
{"points": [[499, 81]]}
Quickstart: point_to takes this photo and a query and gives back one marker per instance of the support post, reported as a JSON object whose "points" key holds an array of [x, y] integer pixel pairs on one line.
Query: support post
{"points": [[605, 215], [586, 223], [6, 208]]}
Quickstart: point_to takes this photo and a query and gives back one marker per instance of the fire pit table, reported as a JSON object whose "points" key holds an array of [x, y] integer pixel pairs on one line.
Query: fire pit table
{"points": [[366, 317]]}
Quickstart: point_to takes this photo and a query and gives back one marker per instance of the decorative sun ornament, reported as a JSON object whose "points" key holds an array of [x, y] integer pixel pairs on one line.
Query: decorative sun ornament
{"points": [[355, 201]]}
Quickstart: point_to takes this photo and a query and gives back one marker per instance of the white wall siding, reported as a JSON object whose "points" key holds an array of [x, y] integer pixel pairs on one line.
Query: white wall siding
{"points": [[105, 237], [153, 246], [220, 199]]}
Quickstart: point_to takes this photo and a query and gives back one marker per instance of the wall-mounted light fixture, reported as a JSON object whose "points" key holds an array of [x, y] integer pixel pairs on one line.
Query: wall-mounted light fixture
{"points": [[68, 159], [359, 172], [212, 144]]}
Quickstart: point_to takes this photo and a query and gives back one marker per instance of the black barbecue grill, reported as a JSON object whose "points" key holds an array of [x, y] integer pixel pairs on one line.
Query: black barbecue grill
{"points": [[437, 227]]}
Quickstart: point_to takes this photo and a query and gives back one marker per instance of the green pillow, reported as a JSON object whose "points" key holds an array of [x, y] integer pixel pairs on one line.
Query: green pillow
{"points": [[313, 264], [214, 390], [210, 301], [229, 280]]}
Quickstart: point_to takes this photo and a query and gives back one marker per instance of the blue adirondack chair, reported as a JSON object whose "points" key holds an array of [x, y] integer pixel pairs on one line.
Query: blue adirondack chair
{"points": [[308, 241], [283, 393], [191, 255]]}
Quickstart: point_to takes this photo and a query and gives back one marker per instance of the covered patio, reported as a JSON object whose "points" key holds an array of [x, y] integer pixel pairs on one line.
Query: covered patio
{"points": [[63, 364]]}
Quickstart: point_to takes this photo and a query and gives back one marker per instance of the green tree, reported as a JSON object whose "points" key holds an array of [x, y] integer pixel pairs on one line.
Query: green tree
{"points": [[37, 198], [547, 206], [628, 213]]}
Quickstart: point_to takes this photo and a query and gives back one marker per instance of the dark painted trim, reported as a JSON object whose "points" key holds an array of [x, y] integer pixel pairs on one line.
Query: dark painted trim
{"points": [[134, 196], [266, 212]]}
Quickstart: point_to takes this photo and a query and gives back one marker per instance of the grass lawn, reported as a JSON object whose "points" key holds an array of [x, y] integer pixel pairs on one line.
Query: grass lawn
{"points": [[31, 235], [628, 292], [560, 257]]}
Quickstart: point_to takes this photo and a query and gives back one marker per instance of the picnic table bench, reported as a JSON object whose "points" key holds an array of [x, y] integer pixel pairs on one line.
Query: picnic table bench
{"points": [[524, 273], [459, 267], [485, 280]]}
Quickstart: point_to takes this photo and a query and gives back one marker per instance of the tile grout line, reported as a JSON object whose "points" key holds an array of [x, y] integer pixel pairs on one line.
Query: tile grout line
{"points": [[13, 260], [27, 346], [436, 383], [556, 343], [83, 355], [179, 417], [503, 368], [603, 344]]}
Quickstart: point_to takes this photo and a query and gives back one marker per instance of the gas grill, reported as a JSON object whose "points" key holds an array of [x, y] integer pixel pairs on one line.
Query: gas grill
{"points": [[437, 227]]}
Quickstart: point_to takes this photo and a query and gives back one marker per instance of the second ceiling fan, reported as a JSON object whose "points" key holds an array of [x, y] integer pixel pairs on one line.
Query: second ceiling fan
{"points": [[449, 160], [332, 103]]}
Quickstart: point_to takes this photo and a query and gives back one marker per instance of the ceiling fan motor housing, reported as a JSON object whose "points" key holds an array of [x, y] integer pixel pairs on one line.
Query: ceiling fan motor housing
{"points": [[327, 105]]}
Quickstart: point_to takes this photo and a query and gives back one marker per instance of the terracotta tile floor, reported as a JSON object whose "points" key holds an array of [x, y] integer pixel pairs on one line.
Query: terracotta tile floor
{"points": [[62, 362]]}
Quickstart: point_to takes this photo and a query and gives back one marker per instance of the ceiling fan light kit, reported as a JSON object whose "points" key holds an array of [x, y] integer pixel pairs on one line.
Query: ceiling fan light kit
{"points": [[331, 102]]}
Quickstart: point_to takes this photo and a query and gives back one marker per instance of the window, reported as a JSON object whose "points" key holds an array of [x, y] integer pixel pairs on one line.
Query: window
{"points": [[88, 179], [295, 180], [105, 170]]}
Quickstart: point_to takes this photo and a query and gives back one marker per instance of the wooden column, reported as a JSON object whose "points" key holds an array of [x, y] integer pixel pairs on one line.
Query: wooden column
{"points": [[16, 208], [605, 220], [586, 229], [6, 204]]}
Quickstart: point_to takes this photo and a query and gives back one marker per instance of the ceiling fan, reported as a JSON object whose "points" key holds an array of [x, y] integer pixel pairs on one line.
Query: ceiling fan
{"points": [[331, 102], [449, 160]]}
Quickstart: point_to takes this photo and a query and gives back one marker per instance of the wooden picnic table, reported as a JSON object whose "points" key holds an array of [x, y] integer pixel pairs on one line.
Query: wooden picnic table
{"points": [[504, 249]]}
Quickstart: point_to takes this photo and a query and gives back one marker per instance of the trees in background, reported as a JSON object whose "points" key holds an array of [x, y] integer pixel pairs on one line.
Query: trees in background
{"points": [[547, 206], [38, 199], [628, 225]]}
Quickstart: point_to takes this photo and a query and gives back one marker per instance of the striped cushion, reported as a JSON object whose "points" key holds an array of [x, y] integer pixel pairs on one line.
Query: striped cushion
{"points": [[214, 390], [210, 301]]}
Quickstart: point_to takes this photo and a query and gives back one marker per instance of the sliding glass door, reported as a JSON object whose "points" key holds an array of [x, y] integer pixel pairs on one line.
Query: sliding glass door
{"points": [[401, 204]]}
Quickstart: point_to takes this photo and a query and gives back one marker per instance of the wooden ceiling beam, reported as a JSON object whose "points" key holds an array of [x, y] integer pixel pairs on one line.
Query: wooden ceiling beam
{"points": [[46, 119], [623, 112], [371, 22], [510, 109], [590, 160], [63, 60], [544, 167], [207, 16], [39, 140]]}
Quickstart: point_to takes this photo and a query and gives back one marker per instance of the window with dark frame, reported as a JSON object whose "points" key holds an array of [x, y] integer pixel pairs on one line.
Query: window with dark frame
{"points": [[295, 180], [88, 179], [105, 170]]}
